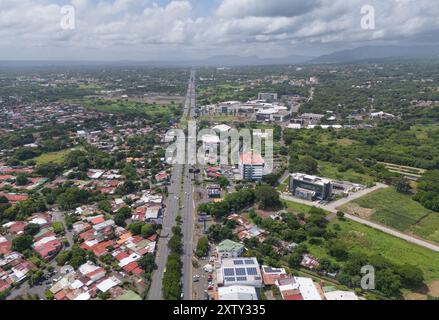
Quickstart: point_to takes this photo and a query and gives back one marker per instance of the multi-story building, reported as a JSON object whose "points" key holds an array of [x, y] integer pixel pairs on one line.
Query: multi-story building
{"points": [[251, 166], [310, 187], [267, 96]]}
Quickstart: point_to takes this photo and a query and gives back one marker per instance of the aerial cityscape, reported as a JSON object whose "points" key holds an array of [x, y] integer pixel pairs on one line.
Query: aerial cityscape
{"points": [[211, 168]]}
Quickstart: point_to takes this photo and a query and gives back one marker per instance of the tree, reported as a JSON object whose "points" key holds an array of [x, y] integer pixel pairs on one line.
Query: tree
{"points": [[147, 263], [63, 257], [295, 260], [147, 230], [3, 200], [402, 185], [202, 247], [21, 180], [223, 182], [105, 206], [58, 227], [411, 276], [136, 227], [218, 233], [122, 215], [338, 250], [270, 179], [22, 243], [340, 215], [388, 283], [32, 229], [268, 197]]}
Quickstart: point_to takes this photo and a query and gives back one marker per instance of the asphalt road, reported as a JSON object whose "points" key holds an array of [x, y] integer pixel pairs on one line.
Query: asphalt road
{"points": [[188, 210], [178, 179]]}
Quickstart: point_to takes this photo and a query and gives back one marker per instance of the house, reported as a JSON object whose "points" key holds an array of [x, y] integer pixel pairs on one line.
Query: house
{"points": [[48, 247], [15, 227], [152, 214], [382, 115], [214, 191], [309, 262], [92, 272], [14, 198], [222, 128], [229, 249], [334, 294], [298, 288], [239, 271], [162, 176], [5, 246], [246, 293], [270, 275]]}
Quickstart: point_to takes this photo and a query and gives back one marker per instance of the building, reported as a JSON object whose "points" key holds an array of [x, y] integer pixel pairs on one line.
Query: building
{"points": [[311, 118], [251, 166], [298, 288], [229, 249], [214, 191], [270, 275], [239, 271], [340, 295], [267, 96], [382, 115], [309, 187], [246, 293]]}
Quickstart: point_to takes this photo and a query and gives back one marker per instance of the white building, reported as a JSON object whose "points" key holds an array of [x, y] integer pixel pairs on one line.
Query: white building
{"points": [[239, 271], [246, 293], [341, 295]]}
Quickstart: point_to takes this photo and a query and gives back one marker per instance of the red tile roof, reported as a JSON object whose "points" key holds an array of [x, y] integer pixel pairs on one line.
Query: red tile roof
{"points": [[5, 247], [48, 249], [131, 267], [14, 198], [252, 158]]}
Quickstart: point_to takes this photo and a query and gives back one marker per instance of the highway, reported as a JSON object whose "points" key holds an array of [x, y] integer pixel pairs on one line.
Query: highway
{"points": [[178, 179], [188, 211]]}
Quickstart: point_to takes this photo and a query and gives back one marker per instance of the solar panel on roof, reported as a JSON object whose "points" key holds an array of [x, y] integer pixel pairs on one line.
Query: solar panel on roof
{"points": [[240, 271], [229, 272], [249, 262], [238, 262], [241, 279], [252, 271], [230, 279]]}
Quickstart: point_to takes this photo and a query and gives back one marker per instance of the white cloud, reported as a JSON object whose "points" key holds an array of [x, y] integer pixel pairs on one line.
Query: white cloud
{"points": [[236, 26]]}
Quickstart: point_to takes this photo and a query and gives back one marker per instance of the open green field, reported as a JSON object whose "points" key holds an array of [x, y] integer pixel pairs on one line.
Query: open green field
{"points": [[363, 239], [129, 107], [396, 210], [296, 207], [54, 157], [331, 171]]}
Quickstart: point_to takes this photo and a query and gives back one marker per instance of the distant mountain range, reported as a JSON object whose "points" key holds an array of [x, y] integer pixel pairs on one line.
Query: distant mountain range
{"points": [[378, 52], [344, 56]]}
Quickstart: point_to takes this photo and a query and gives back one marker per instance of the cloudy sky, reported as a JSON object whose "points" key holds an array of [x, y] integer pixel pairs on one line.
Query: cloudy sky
{"points": [[192, 29]]}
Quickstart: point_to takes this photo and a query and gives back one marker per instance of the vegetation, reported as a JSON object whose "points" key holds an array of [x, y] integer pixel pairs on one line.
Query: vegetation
{"points": [[396, 210]]}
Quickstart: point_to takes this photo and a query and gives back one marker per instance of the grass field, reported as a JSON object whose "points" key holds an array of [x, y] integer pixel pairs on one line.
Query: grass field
{"points": [[329, 170], [54, 157], [130, 107], [296, 207], [399, 211], [360, 238]]}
